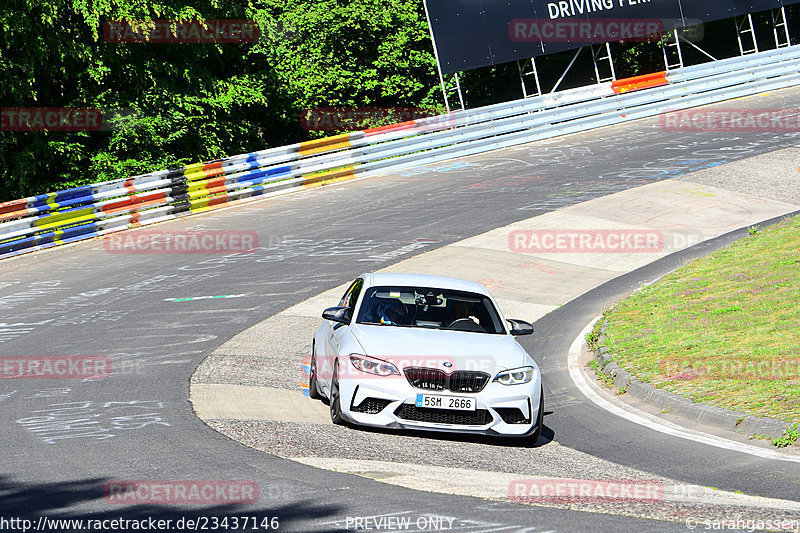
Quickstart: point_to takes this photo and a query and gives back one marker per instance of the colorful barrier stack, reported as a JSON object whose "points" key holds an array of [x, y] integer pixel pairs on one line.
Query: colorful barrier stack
{"points": [[47, 220]]}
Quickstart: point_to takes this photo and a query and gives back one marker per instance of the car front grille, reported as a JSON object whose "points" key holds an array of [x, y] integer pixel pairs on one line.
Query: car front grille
{"points": [[409, 411], [372, 406], [512, 415], [464, 381], [437, 380]]}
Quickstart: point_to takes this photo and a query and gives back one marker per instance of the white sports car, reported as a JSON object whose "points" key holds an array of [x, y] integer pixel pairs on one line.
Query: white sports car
{"points": [[425, 352]]}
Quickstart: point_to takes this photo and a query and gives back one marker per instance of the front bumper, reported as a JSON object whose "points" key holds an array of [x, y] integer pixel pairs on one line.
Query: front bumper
{"points": [[391, 403]]}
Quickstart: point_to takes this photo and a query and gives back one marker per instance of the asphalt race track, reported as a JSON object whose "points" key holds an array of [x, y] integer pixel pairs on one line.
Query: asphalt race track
{"points": [[65, 439]]}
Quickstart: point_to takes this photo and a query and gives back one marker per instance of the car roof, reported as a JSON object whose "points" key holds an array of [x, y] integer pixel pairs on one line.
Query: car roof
{"points": [[422, 280]]}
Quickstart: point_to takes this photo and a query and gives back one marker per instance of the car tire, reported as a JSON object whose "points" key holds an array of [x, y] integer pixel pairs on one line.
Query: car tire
{"points": [[533, 438], [335, 400], [313, 386]]}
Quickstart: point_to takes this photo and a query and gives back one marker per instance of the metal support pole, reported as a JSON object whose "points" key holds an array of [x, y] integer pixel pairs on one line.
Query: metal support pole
{"points": [[460, 96], [779, 20], [436, 55], [594, 62], [610, 63], [739, 32], [677, 44], [565, 72], [753, 31], [786, 26], [678, 47], [698, 49], [534, 71], [536, 76]]}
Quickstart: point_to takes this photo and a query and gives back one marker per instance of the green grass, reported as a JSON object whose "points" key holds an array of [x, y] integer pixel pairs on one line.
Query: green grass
{"points": [[788, 438], [594, 364], [724, 329]]}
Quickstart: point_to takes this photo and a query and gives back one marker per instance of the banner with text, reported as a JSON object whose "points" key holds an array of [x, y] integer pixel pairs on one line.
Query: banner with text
{"points": [[477, 33]]}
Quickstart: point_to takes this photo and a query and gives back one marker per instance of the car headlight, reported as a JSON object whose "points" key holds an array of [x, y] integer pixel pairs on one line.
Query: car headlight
{"points": [[516, 376], [373, 366]]}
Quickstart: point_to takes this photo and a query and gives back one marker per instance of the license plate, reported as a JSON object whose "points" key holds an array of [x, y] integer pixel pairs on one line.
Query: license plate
{"points": [[451, 403]]}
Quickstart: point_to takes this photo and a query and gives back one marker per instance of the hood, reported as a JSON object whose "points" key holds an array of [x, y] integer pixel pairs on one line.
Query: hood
{"points": [[445, 350]]}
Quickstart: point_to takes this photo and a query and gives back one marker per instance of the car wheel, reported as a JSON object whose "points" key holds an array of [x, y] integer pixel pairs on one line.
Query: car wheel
{"points": [[534, 437], [335, 403], [313, 386]]}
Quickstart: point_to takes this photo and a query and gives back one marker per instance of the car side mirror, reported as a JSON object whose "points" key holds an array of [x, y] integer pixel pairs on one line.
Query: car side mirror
{"points": [[520, 327], [337, 314]]}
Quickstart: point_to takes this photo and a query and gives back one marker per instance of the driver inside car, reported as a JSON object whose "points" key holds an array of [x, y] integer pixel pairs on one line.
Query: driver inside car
{"points": [[460, 310], [393, 313]]}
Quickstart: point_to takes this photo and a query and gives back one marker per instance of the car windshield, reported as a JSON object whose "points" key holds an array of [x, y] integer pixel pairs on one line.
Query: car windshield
{"points": [[419, 307]]}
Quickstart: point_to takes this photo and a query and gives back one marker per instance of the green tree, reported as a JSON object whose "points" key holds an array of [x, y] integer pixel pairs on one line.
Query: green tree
{"points": [[174, 104], [350, 54]]}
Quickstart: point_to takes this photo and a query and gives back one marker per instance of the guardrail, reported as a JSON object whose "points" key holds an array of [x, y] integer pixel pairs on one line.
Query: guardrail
{"points": [[84, 212]]}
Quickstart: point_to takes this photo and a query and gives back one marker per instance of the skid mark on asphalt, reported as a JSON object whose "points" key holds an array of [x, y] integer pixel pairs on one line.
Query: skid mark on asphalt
{"points": [[37, 289], [50, 393], [12, 331], [7, 395], [92, 420], [559, 398]]}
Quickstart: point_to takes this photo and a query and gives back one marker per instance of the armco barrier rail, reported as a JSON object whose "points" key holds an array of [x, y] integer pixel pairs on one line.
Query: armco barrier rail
{"points": [[50, 219]]}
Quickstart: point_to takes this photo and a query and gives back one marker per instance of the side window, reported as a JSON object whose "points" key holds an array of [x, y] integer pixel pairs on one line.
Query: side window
{"points": [[351, 296]]}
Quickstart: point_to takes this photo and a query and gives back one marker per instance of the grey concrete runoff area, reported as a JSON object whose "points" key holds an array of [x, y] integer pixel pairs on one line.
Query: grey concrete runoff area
{"points": [[208, 351]]}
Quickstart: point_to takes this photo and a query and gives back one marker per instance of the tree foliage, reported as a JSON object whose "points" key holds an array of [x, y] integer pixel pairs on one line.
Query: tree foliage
{"points": [[178, 103]]}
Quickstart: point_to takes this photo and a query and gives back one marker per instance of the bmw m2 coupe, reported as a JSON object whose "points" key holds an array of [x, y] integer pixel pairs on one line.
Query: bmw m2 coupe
{"points": [[427, 353]]}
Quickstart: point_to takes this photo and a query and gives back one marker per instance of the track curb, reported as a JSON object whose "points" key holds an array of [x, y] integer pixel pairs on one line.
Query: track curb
{"points": [[703, 413]]}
